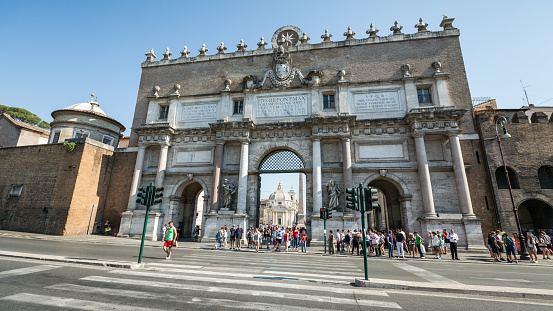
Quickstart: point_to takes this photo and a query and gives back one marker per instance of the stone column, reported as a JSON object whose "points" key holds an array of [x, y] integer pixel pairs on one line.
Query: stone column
{"points": [[317, 187], [424, 177], [136, 177], [461, 182], [243, 179], [348, 179], [217, 164], [160, 175]]}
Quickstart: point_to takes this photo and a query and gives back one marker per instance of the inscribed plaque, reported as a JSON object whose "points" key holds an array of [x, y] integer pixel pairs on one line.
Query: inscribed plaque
{"points": [[199, 112], [376, 101], [282, 106]]}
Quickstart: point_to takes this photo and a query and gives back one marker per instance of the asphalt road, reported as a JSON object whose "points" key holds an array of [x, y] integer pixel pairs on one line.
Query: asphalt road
{"points": [[197, 279]]}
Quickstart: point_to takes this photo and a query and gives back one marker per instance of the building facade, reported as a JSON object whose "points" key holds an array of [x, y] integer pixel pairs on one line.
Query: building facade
{"points": [[17, 133], [528, 155], [390, 112], [281, 208]]}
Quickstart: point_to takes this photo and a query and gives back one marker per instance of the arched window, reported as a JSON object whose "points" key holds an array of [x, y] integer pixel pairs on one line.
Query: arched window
{"points": [[502, 179], [545, 175]]}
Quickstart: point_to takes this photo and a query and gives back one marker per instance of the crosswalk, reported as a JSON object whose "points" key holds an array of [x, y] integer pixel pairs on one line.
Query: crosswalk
{"points": [[215, 281]]}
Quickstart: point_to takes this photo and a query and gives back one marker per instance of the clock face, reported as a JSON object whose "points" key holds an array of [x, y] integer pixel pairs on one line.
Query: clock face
{"points": [[290, 37]]}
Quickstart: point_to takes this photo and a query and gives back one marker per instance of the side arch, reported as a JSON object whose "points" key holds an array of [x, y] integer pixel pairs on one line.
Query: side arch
{"points": [[393, 178]]}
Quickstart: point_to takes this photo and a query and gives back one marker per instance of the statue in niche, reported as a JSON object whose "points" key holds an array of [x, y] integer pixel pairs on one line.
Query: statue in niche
{"points": [[228, 190], [334, 193]]}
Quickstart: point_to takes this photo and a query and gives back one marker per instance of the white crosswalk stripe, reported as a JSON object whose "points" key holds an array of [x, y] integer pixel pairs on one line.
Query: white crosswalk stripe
{"points": [[235, 291], [425, 274], [29, 270]]}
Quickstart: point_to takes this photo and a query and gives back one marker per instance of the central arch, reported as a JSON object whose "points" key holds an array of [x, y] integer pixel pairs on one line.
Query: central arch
{"points": [[277, 161]]}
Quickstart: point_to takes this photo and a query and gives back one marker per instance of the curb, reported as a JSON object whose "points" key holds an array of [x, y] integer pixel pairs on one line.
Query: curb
{"points": [[512, 292], [85, 261]]}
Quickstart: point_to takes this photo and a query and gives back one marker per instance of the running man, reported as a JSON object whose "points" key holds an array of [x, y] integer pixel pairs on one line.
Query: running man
{"points": [[170, 238]]}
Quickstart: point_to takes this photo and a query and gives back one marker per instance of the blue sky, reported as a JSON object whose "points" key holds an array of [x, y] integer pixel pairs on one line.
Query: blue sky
{"points": [[56, 52]]}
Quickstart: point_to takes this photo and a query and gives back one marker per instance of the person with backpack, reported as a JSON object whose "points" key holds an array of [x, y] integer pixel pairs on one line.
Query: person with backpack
{"points": [[531, 242], [347, 241], [355, 242], [510, 248]]}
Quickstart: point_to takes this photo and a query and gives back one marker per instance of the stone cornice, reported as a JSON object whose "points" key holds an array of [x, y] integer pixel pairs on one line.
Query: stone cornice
{"points": [[307, 47]]}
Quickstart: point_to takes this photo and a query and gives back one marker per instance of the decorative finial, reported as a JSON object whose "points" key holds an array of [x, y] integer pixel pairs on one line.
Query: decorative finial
{"points": [[177, 89], [437, 68], [92, 97], [326, 37], [227, 85], [421, 26], [167, 55], [372, 32], [241, 46], [203, 50], [304, 39], [349, 34], [261, 44], [221, 48], [156, 91], [396, 29], [150, 56], [184, 53], [341, 74], [406, 70], [447, 22]]}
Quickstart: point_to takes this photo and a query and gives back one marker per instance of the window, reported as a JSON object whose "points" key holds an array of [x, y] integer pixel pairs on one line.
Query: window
{"points": [[502, 179], [15, 190], [545, 175], [108, 140], [238, 107], [328, 101], [424, 95], [163, 112], [56, 137], [81, 134]]}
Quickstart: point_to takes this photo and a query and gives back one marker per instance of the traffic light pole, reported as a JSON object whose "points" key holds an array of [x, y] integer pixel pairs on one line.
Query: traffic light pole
{"points": [[324, 235], [362, 203], [144, 232]]}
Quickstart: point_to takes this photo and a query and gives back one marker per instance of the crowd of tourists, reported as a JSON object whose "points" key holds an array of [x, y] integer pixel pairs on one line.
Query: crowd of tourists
{"points": [[500, 243], [276, 238], [394, 243]]}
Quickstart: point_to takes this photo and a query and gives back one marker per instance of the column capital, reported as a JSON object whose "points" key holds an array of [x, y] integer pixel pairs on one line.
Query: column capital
{"points": [[418, 134], [453, 134], [315, 138], [346, 138], [405, 197]]}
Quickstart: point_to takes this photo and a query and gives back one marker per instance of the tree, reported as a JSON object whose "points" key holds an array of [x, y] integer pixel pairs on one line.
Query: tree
{"points": [[24, 115]]}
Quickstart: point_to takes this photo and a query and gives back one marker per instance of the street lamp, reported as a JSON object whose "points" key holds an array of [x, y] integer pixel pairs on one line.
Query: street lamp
{"points": [[503, 122]]}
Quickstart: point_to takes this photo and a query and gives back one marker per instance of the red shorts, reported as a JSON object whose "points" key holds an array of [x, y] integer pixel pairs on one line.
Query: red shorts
{"points": [[168, 244]]}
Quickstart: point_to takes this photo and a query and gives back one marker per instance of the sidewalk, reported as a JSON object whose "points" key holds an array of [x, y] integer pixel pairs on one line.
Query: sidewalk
{"points": [[466, 256]]}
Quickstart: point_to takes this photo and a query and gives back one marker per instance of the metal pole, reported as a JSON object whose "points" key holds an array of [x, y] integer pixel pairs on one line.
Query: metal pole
{"points": [[324, 232], [144, 233], [523, 250], [362, 199]]}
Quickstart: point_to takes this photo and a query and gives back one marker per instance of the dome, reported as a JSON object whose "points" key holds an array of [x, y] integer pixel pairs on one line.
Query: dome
{"points": [[280, 195], [91, 105]]}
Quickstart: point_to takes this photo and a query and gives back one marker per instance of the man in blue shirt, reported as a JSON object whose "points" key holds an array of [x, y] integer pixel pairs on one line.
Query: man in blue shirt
{"points": [[232, 237], [390, 242], [239, 233]]}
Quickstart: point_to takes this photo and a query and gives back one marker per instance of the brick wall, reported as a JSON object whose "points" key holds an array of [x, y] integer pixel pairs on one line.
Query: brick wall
{"points": [[9, 133], [120, 187]]}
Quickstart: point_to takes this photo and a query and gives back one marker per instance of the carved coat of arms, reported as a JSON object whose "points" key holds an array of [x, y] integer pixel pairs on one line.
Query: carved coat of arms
{"points": [[282, 73]]}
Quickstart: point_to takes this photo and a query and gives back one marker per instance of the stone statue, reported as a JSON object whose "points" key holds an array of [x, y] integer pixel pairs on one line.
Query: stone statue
{"points": [[228, 190], [334, 193]]}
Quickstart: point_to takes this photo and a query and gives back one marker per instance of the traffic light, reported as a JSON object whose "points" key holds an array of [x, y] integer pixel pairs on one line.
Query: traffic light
{"points": [[323, 213], [370, 199], [328, 213], [353, 198], [158, 194], [142, 195]]}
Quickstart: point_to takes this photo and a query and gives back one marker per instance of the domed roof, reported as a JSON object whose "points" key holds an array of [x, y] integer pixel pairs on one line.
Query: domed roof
{"points": [[91, 105], [280, 195]]}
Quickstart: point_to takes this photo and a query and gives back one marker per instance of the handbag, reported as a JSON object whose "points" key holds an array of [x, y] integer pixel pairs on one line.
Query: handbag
{"points": [[423, 250]]}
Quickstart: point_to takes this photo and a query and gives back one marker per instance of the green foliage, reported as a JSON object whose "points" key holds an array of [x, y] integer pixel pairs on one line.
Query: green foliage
{"points": [[69, 146], [44, 124], [24, 115]]}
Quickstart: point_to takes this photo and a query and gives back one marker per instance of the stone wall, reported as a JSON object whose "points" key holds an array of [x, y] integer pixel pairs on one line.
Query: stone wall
{"points": [[9, 133], [64, 193]]}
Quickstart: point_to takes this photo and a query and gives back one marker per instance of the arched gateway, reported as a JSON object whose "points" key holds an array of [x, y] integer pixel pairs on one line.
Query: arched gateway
{"points": [[229, 118]]}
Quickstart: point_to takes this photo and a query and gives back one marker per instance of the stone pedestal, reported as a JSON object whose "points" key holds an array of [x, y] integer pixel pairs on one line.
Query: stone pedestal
{"points": [[468, 229], [132, 224], [214, 222]]}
